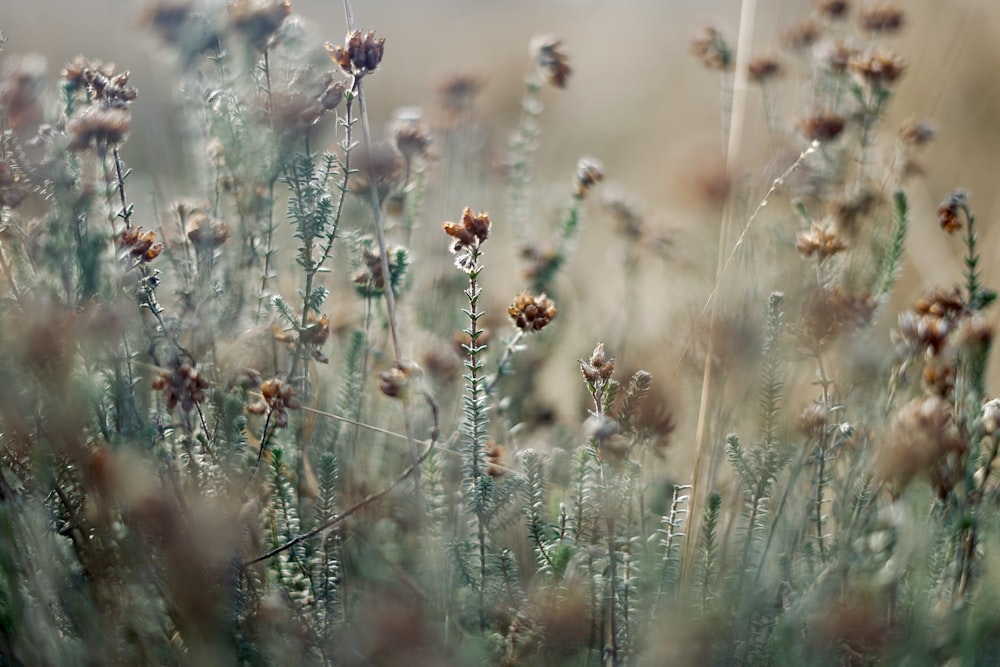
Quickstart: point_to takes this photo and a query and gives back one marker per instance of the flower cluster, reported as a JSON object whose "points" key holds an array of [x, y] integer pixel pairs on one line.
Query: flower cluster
{"points": [[550, 61], [278, 396], [183, 385], [141, 245], [531, 313], [360, 55], [469, 235]]}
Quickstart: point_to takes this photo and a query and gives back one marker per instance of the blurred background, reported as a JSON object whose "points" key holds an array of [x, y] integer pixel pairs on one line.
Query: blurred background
{"points": [[637, 100]]}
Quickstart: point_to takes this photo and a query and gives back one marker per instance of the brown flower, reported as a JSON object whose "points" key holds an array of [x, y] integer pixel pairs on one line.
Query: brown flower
{"points": [[822, 127], [360, 55], [711, 48], [409, 134], [763, 69], [398, 381], [98, 127], [259, 20], [141, 245], [882, 18], [205, 231], [370, 281], [949, 209], [531, 313], [278, 396], [598, 368], [819, 241], [551, 62], [924, 441], [833, 9], [878, 68], [183, 385], [802, 35], [458, 93], [589, 172], [494, 457], [469, 234]]}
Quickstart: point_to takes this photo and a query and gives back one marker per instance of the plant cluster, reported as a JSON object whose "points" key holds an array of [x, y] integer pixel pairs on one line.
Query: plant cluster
{"points": [[283, 416]]}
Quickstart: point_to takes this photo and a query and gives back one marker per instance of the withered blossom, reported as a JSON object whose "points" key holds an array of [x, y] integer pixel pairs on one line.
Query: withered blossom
{"points": [[819, 241], [458, 93], [878, 68], [551, 62], [884, 18], [833, 9], [98, 128], [360, 55], [278, 397], [822, 127], [206, 231], [141, 245], [763, 68], [802, 35], [531, 313], [598, 368], [398, 381], [711, 48], [589, 172], [258, 20], [470, 233], [182, 384], [948, 210]]}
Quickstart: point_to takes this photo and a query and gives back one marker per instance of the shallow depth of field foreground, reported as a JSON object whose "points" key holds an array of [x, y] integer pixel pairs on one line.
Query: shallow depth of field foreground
{"points": [[547, 333]]}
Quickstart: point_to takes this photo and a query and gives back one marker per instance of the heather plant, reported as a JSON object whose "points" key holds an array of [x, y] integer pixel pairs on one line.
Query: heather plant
{"points": [[275, 420]]}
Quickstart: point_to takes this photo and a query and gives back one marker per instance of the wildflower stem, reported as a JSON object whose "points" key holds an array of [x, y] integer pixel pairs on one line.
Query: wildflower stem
{"points": [[390, 298]]}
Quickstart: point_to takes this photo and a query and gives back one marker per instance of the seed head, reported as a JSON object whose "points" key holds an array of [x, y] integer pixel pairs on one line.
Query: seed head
{"points": [[278, 396], [589, 172], [822, 127], [531, 313], [801, 35], [598, 368], [882, 18], [711, 48], [141, 245], [469, 234], [833, 9], [259, 20], [98, 127], [205, 231], [551, 62], [763, 69], [819, 241], [398, 381], [182, 384], [949, 209], [360, 55], [878, 68]]}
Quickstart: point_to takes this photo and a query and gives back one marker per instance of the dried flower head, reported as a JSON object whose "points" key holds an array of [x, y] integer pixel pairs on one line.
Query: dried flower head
{"points": [[258, 20], [104, 86], [948, 210], [277, 398], [941, 302], [589, 172], [182, 384], [916, 133], [98, 127], [468, 235], [624, 211], [832, 311], [360, 55], [925, 441], [837, 56], [551, 62], [458, 93], [763, 68], [494, 459], [882, 18], [409, 133], [822, 127], [813, 420], [398, 381], [141, 245], [878, 68], [22, 80], [849, 208], [382, 164], [317, 329], [369, 280], [819, 241], [833, 9], [712, 49], [802, 35], [205, 231], [531, 313], [598, 368]]}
